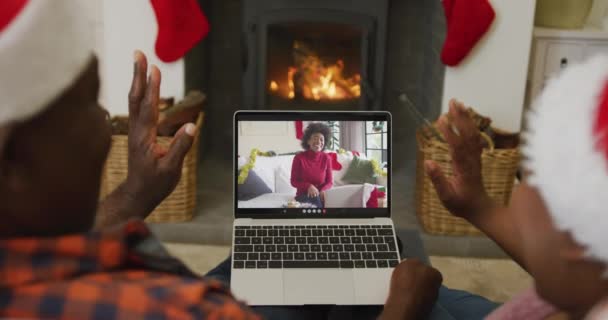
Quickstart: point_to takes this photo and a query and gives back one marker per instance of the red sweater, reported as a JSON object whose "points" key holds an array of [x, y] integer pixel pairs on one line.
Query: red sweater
{"points": [[311, 167]]}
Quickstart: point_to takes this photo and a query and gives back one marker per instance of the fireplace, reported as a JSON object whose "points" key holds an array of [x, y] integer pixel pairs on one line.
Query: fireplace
{"points": [[314, 55], [403, 40]]}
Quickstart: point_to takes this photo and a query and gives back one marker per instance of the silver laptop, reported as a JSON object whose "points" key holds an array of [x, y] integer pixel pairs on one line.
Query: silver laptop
{"points": [[292, 247]]}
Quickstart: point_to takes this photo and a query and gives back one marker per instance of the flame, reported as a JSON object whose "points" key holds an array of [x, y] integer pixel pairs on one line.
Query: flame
{"points": [[313, 80], [290, 72], [274, 86]]}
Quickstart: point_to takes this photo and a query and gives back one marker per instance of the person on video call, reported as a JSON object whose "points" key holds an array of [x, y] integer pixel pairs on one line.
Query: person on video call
{"points": [[311, 170]]}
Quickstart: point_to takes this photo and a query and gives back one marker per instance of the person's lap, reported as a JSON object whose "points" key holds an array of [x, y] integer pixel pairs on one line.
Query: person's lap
{"points": [[222, 273], [316, 201], [457, 304], [450, 305]]}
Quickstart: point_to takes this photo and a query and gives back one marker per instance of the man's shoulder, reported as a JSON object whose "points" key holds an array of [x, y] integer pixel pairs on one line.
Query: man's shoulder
{"points": [[127, 291]]}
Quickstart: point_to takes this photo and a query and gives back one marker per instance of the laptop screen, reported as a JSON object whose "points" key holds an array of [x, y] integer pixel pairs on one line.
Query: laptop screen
{"points": [[312, 164]]}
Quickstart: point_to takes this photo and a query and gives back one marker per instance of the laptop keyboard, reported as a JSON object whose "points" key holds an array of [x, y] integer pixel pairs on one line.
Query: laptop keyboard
{"points": [[325, 246]]}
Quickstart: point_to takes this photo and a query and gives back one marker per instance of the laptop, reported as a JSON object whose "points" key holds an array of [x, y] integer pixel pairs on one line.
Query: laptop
{"points": [[289, 248]]}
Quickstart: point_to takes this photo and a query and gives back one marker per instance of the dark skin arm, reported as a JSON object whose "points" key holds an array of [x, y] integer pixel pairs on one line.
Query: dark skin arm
{"points": [[463, 194], [153, 171], [413, 292]]}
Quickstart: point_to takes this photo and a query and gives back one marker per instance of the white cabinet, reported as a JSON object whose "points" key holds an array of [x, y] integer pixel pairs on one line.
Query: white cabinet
{"points": [[556, 49], [559, 55]]}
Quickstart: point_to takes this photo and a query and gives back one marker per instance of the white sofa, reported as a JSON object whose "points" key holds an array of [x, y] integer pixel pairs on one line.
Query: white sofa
{"points": [[276, 171]]}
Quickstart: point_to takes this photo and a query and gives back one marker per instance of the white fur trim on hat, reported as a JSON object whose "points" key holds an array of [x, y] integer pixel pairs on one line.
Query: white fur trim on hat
{"points": [[42, 51], [566, 166]]}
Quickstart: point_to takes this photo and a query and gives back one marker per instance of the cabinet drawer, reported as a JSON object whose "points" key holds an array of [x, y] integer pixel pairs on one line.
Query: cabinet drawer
{"points": [[560, 55], [594, 49]]}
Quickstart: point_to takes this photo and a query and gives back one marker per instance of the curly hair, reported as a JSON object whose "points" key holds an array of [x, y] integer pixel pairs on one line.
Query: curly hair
{"points": [[316, 127]]}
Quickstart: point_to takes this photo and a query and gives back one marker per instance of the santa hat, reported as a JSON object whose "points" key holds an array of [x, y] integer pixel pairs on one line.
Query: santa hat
{"points": [[567, 152], [44, 46]]}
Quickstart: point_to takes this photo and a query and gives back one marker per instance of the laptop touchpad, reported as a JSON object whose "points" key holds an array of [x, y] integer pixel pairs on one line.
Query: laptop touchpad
{"points": [[318, 286]]}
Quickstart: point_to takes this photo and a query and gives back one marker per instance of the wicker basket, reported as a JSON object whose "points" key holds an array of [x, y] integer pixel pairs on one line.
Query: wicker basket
{"points": [[499, 167], [181, 203], [563, 14]]}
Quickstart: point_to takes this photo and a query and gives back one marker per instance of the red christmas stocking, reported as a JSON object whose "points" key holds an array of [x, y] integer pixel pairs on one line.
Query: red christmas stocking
{"points": [[181, 24], [335, 165], [467, 21], [372, 202], [600, 128], [299, 129]]}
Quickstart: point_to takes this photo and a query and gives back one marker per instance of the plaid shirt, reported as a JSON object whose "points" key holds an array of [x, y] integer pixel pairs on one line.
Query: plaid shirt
{"points": [[123, 273]]}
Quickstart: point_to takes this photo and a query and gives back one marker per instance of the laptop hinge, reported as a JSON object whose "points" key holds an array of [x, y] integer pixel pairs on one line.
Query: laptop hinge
{"points": [[249, 221]]}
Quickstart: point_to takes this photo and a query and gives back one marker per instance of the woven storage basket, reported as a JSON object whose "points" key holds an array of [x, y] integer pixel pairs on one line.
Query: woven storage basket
{"points": [[499, 167], [181, 203]]}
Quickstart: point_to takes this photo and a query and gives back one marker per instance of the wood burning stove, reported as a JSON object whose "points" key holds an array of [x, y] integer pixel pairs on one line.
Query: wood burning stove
{"points": [[315, 55]]}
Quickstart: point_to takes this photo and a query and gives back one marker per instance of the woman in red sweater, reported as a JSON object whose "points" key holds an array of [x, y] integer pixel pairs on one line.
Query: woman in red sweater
{"points": [[311, 170]]}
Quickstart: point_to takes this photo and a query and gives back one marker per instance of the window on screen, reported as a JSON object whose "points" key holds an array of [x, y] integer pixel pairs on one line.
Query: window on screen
{"points": [[312, 164]]}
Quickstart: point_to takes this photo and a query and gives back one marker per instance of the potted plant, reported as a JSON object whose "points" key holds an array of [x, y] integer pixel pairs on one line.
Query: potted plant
{"points": [[377, 126]]}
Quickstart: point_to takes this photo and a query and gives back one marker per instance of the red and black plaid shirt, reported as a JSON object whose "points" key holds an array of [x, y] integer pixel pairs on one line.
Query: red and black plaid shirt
{"points": [[120, 273]]}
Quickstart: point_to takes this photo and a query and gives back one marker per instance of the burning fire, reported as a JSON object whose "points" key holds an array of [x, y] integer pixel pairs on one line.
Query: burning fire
{"points": [[274, 86], [314, 80]]}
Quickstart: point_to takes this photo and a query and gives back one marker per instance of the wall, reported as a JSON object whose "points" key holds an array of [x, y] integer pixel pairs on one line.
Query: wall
{"points": [[492, 78], [121, 27], [277, 136]]}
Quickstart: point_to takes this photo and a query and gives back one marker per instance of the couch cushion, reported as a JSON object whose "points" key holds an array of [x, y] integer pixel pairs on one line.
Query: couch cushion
{"points": [[348, 196], [282, 181], [360, 171], [268, 167], [344, 159], [269, 200], [253, 187], [265, 168]]}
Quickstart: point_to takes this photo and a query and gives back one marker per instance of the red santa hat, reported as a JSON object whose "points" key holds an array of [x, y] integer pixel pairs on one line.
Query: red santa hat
{"points": [[567, 152], [44, 46]]}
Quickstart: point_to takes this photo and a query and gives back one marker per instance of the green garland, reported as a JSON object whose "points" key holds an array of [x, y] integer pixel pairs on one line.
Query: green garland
{"points": [[249, 165], [377, 168], [255, 152]]}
